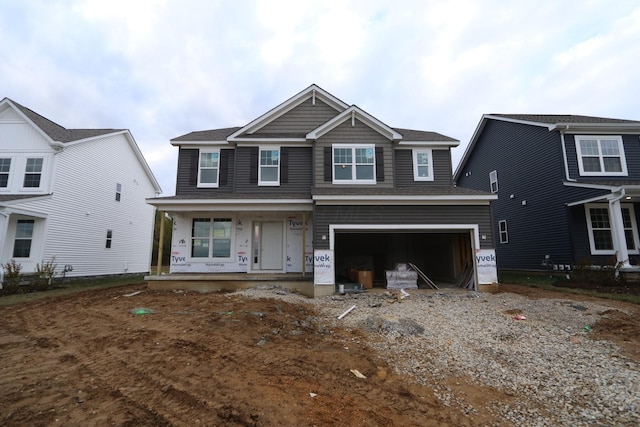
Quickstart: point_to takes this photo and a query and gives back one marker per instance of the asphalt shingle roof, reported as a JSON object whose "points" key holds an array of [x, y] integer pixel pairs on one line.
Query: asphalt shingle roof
{"points": [[562, 118]]}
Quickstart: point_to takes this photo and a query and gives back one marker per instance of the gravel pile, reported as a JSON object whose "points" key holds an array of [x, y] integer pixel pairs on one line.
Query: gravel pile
{"points": [[555, 373]]}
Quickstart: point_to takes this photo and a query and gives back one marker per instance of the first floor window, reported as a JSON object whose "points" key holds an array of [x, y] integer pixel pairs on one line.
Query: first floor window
{"points": [[24, 237], [33, 172], [502, 227], [600, 155], [422, 165], [208, 168], [118, 192], [5, 169], [600, 230], [109, 239], [269, 169], [493, 181], [211, 238], [354, 164]]}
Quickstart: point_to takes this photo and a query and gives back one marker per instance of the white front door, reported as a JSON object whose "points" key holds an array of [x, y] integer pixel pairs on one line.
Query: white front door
{"points": [[267, 246]]}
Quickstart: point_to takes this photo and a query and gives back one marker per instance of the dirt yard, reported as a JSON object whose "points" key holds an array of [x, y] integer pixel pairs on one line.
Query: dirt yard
{"points": [[97, 358]]}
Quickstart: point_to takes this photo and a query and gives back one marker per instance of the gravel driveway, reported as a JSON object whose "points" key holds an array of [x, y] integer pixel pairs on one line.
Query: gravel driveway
{"points": [[535, 352]]}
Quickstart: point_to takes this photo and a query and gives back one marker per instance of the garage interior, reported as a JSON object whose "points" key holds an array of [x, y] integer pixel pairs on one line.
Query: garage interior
{"points": [[446, 258]]}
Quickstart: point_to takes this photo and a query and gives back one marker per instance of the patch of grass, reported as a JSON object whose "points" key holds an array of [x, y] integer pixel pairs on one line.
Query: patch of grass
{"points": [[71, 286], [560, 283]]}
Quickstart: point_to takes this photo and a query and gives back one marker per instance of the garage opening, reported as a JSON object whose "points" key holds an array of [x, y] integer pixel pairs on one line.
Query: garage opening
{"points": [[446, 258]]}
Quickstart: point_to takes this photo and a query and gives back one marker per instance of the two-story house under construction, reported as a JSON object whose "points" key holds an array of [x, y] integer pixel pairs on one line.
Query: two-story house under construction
{"points": [[567, 188], [314, 188]]}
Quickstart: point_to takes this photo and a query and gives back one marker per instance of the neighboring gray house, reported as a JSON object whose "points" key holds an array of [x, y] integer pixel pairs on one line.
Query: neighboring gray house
{"points": [[316, 186], [567, 188], [76, 197]]}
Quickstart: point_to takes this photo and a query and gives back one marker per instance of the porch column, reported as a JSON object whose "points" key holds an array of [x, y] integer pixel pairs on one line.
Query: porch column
{"points": [[617, 233]]}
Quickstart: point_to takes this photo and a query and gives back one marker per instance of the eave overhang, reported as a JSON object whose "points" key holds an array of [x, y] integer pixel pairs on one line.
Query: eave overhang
{"points": [[207, 205]]}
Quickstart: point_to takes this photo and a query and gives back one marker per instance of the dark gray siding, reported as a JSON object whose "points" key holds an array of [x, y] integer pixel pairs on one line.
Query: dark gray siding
{"points": [[296, 172], [302, 119], [403, 168], [365, 214], [358, 134], [631, 151], [528, 160], [187, 175]]}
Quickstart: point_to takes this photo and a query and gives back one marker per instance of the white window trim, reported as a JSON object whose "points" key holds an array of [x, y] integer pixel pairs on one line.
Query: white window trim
{"points": [[429, 152], [634, 228], [232, 252], [501, 231], [623, 160], [42, 172], [208, 184], [11, 173], [493, 179], [353, 179], [260, 166]]}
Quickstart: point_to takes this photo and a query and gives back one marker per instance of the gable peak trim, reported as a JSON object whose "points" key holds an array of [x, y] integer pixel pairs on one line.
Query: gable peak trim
{"points": [[353, 113]]}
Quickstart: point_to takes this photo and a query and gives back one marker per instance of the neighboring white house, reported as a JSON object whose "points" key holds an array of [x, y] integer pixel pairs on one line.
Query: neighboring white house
{"points": [[75, 196]]}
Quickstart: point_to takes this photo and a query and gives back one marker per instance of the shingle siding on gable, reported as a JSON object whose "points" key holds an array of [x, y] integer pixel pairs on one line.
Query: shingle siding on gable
{"points": [[302, 119], [403, 168], [358, 134]]}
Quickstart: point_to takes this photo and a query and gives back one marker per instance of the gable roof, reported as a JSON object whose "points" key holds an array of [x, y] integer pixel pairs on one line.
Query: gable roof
{"points": [[312, 92], [54, 130], [60, 136], [553, 122], [352, 113]]}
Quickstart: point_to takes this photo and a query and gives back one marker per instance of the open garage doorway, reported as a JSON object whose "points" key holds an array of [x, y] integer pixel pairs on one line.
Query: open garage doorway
{"points": [[445, 257]]}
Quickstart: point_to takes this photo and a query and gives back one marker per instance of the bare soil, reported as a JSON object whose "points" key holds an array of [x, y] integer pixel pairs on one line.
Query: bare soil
{"points": [[96, 358]]}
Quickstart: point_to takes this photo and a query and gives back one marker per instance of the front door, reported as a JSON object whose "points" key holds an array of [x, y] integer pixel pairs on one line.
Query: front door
{"points": [[267, 246]]}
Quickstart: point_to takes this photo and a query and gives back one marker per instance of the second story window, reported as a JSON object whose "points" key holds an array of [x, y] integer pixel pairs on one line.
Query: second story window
{"points": [[118, 192], [601, 155], [502, 228], [208, 168], [269, 167], [5, 170], [354, 164], [493, 181], [422, 165], [33, 172]]}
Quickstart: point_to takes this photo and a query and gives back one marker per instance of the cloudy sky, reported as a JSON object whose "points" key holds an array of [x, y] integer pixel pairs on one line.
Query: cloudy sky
{"points": [[164, 68]]}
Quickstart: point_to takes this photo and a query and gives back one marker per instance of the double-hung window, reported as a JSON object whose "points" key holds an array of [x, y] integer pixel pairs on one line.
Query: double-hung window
{"points": [[24, 237], [422, 165], [33, 172], [493, 181], [601, 156], [269, 167], [5, 170], [354, 164], [208, 168], [211, 238], [502, 228], [600, 231]]}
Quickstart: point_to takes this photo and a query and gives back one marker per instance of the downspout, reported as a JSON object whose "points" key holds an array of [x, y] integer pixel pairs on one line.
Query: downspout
{"points": [[564, 154], [619, 239]]}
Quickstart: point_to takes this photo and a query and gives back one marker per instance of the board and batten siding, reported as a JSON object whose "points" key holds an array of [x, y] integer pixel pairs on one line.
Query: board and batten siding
{"points": [[403, 168], [82, 208], [302, 119], [358, 134], [325, 215]]}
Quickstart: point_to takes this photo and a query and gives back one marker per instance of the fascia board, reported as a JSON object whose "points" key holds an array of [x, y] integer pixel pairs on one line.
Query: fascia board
{"points": [[287, 106], [367, 119], [198, 143], [430, 144], [404, 200], [607, 128], [201, 205]]}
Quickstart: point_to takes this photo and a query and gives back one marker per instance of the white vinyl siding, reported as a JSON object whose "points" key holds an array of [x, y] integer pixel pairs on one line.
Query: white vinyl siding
{"points": [[354, 164], [599, 225], [601, 156], [269, 167], [422, 165], [208, 168]]}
